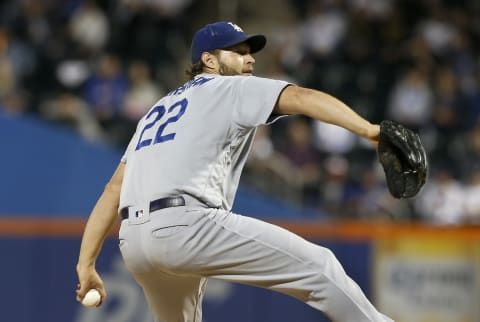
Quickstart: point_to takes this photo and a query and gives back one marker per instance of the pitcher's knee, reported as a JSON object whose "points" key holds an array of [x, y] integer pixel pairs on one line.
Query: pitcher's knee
{"points": [[326, 260]]}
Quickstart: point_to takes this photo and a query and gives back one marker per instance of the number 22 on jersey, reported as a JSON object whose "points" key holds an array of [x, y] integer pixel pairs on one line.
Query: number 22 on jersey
{"points": [[156, 114]]}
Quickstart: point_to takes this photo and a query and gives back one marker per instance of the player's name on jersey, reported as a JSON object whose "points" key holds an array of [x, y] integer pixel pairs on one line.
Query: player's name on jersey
{"points": [[194, 82]]}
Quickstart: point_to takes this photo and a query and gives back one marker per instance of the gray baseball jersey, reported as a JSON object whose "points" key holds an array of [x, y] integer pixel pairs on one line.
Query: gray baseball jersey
{"points": [[194, 143], [196, 139]]}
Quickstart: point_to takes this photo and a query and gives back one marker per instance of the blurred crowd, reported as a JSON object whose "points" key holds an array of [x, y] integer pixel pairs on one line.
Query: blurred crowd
{"points": [[97, 66]]}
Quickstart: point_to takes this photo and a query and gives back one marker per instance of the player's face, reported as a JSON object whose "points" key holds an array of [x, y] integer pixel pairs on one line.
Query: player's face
{"points": [[236, 60]]}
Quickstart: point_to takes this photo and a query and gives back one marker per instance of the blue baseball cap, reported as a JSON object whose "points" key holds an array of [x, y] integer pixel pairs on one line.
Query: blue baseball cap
{"points": [[221, 35]]}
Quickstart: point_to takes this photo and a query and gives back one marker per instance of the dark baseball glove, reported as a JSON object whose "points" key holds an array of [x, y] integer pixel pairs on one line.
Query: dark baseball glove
{"points": [[403, 158]]}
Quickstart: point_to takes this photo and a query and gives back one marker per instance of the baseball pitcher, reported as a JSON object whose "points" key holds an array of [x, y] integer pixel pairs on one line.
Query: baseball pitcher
{"points": [[175, 185]]}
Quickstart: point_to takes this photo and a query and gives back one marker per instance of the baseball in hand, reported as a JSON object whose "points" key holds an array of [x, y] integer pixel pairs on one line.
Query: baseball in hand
{"points": [[92, 298]]}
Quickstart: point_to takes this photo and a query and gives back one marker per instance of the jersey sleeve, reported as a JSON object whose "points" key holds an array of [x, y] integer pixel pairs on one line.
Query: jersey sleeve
{"points": [[255, 98], [129, 150]]}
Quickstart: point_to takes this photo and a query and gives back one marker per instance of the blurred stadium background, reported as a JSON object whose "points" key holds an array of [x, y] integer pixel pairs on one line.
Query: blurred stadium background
{"points": [[76, 75]]}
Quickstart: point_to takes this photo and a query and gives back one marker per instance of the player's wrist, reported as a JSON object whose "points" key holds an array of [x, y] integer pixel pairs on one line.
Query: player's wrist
{"points": [[86, 265], [372, 132]]}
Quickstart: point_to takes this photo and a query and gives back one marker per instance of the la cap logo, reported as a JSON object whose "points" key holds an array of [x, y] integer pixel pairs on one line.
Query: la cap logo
{"points": [[234, 26]]}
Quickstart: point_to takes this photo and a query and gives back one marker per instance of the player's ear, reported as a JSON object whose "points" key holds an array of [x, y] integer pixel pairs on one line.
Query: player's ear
{"points": [[209, 60]]}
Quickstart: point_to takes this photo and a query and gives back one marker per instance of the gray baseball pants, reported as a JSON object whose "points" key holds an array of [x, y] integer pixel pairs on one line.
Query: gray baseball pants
{"points": [[171, 253]]}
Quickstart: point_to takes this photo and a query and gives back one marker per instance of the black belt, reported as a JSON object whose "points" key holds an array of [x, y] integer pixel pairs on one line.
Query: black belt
{"points": [[158, 204]]}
